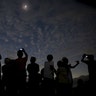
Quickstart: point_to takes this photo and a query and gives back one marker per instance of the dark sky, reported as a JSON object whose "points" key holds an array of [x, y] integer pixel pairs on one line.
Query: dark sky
{"points": [[58, 27]]}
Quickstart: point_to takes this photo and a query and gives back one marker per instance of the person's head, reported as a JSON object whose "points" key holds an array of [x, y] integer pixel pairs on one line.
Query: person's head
{"points": [[59, 63], [65, 60], [19, 53], [32, 59], [49, 57], [7, 60]]}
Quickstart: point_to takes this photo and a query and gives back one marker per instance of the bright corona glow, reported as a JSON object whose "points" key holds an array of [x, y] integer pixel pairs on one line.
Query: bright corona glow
{"points": [[25, 7]]}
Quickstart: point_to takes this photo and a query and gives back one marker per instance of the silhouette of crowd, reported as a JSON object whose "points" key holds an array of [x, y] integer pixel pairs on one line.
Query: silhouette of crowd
{"points": [[48, 81]]}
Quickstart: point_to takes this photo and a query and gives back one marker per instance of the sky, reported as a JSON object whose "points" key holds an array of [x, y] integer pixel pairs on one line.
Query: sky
{"points": [[58, 27]]}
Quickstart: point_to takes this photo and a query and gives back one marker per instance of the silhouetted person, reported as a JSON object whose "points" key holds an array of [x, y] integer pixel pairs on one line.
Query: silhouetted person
{"points": [[21, 63], [49, 75], [9, 77], [69, 74], [61, 79], [91, 63], [34, 77], [69, 67]]}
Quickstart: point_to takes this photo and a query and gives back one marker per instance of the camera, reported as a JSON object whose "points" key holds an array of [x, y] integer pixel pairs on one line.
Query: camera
{"points": [[21, 49], [86, 56]]}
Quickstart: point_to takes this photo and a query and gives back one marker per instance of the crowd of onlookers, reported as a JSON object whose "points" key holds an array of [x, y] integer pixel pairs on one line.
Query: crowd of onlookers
{"points": [[42, 82]]}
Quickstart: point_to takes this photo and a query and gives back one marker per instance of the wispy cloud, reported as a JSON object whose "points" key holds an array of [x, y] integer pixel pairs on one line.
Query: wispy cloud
{"points": [[58, 27]]}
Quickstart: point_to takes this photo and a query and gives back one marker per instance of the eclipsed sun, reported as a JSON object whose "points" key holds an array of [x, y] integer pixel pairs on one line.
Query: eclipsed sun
{"points": [[25, 7]]}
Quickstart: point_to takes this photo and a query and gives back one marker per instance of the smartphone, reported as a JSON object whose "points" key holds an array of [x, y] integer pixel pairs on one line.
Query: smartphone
{"points": [[21, 49]]}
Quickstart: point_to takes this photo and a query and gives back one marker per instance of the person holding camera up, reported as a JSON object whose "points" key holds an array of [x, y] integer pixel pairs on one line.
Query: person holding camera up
{"points": [[21, 64], [91, 63]]}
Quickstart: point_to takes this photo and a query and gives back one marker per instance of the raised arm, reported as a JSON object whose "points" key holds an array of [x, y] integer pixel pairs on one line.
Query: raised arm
{"points": [[26, 55], [83, 58], [77, 62]]}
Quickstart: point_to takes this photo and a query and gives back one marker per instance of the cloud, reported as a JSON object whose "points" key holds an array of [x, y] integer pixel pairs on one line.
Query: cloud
{"points": [[63, 28]]}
